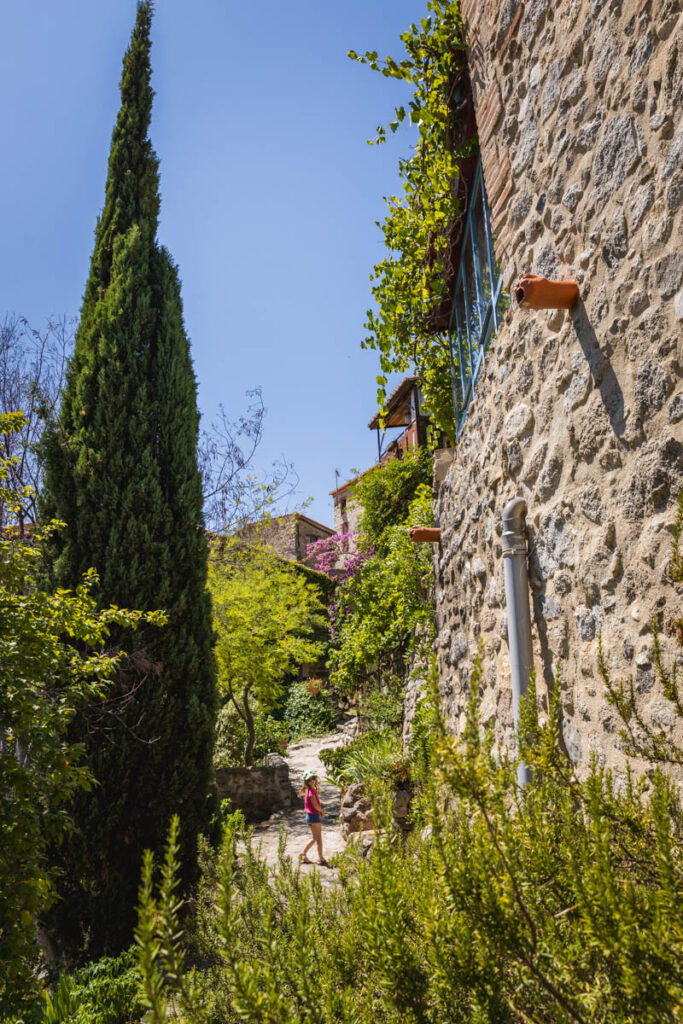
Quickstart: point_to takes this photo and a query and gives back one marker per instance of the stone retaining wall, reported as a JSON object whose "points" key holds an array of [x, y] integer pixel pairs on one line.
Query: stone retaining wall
{"points": [[581, 413], [260, 791]]}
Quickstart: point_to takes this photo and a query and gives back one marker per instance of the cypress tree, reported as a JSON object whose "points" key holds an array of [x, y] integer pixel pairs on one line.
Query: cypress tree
{"points": [[121, 472]]}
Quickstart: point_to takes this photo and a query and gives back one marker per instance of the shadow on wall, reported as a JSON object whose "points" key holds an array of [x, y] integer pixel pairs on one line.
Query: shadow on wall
{"points": [[601, 369], [542, 609], [550, 623]]}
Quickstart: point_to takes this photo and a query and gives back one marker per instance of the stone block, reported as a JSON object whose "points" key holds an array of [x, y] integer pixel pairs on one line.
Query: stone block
{"points": [[518, 422], [617, 154]]}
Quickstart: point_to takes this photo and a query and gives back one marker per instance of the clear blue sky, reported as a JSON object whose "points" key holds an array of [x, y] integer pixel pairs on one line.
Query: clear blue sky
{"points": [[269, 193]]}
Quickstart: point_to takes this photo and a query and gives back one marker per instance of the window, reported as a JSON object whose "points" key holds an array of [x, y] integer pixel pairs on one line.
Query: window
{"points": [[478, 301]]}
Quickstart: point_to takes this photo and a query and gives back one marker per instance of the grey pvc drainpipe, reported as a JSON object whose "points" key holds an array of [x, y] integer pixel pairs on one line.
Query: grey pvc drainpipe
{"points": [[517, 600]]}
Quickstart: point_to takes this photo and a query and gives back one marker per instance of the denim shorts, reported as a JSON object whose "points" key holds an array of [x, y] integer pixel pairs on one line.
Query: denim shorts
{"points": [[312, 818]]}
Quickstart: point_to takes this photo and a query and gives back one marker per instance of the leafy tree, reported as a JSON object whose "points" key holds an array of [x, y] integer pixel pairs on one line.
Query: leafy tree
{"points": [[270, 732], [266, 616], [234, 494], [412, 281], [121, 471], [55, 656], [32, 364]]}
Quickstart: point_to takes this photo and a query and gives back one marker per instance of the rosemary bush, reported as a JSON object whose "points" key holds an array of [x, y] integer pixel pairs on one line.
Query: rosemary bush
{"points": [[558, 905]]}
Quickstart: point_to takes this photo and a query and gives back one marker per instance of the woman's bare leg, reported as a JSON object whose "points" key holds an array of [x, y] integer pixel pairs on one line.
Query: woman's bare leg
{"points": [[308, 845], [317, 830]]}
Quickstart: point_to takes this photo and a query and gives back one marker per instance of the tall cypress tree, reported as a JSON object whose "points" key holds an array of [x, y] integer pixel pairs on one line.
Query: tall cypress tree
{"points": [[122, 474]]}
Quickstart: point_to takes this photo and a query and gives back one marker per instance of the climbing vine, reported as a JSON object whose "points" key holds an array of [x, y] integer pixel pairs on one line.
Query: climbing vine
{"points": [[412, 281]]}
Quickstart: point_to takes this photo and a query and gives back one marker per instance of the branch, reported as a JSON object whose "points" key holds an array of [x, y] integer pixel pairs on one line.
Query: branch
{"points": [[233, 494]]}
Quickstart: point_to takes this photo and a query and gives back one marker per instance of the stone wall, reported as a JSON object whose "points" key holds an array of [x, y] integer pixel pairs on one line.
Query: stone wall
{"points": [[581, 413], [287, 536], [347, 511], [279, 534], [257, 791]]}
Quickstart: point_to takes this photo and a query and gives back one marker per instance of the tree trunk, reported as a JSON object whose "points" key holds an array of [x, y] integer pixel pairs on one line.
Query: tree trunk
{"points": [[251, 730]]}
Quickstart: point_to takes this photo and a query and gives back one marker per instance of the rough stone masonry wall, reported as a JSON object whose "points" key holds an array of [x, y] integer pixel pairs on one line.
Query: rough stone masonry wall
{"points": [[581, 413], [257, 791]]}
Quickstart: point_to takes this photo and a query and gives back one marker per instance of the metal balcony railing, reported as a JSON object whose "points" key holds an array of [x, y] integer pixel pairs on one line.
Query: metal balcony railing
{"points": [[478, 300]]}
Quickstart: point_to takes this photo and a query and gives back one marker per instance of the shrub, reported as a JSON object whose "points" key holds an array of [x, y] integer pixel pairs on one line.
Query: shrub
{"points": [[105, 992], [375, 757], [558, 905], [383, 709], [307, 714]]}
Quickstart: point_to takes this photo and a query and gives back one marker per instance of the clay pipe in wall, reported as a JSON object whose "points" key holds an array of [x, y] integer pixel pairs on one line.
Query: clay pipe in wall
{"points": [[534, 292], [425, 534]]}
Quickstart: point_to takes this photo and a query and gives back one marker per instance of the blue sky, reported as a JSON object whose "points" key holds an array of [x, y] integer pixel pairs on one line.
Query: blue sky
{"points": [[269, 193]]}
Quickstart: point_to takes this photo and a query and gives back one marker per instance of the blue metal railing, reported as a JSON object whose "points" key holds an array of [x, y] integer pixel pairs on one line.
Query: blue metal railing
{"points": [[478, 300]]}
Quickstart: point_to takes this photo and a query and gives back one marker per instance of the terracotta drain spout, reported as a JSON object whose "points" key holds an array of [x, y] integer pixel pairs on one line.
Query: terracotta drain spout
{"points": [[425, 534], [534, 292]]}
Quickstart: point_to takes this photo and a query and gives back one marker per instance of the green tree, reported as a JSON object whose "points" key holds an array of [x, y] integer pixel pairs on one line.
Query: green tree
{"points": [[266, 617], [55, 655], [121, 471]]}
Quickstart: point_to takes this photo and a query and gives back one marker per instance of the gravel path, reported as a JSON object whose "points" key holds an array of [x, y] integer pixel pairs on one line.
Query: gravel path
{"points": [[302, 757]]}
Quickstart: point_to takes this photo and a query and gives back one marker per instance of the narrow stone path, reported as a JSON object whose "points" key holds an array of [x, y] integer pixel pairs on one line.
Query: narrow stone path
{"points": [[303, 757]]}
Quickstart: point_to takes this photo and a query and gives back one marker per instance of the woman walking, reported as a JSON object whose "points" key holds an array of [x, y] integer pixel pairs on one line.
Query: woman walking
{"points": [[314, 817]]}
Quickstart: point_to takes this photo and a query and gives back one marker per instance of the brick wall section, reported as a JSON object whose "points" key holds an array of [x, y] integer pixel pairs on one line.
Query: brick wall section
{"points": [[489, 107], [580, 413]]}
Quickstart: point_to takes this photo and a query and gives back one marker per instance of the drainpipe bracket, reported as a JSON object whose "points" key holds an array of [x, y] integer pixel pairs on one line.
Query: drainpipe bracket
{"points": [[517, 549]]}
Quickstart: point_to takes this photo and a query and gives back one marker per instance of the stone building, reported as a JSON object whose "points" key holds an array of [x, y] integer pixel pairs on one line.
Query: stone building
{"points": [[287, 536], [578, 109]]}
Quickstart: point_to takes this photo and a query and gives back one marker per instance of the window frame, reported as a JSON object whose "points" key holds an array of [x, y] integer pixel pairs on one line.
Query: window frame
{"points": [[470, 345]]}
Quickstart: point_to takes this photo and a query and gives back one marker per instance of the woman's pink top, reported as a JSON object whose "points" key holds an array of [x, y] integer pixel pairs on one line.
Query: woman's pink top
{"points": [[311, 801]]}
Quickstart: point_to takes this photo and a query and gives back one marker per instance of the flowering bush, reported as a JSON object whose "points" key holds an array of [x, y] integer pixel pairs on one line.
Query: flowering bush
{"points": [[339, 555]]}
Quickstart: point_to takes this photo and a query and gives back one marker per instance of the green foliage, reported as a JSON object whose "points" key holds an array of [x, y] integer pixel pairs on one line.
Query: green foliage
{"points": [[121, 472], [372, 758], [266, 614], [387, 492], [106, 992], [425, 730], [159, 939], [382, 710], [384, 615], [676, 553], [308, 714], [561, 907], [640, 736], [55, 656], [412, 280], [231, 737]]}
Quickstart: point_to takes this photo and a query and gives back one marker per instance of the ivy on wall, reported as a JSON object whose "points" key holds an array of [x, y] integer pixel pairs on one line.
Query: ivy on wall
{"points": [[412, 280]]}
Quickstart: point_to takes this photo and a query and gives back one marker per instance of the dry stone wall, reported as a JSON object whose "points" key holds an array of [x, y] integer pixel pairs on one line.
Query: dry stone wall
{"points": [[257, 791], [581, 412]]}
